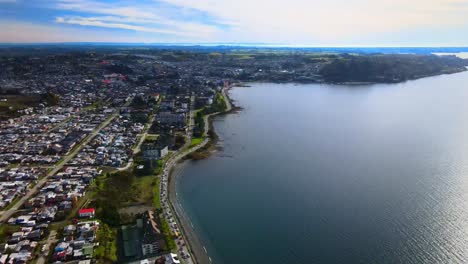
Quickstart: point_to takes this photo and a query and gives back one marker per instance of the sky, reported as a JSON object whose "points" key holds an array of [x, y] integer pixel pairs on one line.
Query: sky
{"points": [[277, 22]]}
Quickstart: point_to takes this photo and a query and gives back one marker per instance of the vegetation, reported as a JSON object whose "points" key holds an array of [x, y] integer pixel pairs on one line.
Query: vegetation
{"points": [[199, 124], [151, 138], [149, 166], [219, 105], [196, 141], [179, 141], [388, 67], [165, 228], [106, 252], [157, 193], [95, 105], [117, 190], [10, 104], [143, 188], [6, 231], [50, 98], [111, 193]]}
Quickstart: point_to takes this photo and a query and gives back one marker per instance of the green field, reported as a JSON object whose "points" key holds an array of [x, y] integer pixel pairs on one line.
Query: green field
{"points": [[196, 141], [143, 187], [11, 103]]}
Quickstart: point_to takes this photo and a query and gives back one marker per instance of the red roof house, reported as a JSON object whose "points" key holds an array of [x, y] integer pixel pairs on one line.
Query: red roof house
{"points": [[87, 212]]}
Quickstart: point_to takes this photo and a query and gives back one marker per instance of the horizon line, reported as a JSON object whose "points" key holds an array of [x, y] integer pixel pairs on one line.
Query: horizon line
{"points": [[229, 44]]}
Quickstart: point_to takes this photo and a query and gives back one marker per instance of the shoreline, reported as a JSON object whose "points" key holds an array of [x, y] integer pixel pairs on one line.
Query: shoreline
{"points": [[197, 250]]}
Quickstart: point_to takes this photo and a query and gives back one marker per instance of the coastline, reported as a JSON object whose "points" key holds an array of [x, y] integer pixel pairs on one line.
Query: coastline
{"points": [[198, 251]]}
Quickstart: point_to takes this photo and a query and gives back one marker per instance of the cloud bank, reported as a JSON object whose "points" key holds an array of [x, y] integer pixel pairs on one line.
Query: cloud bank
{"points": [[307, 22]]}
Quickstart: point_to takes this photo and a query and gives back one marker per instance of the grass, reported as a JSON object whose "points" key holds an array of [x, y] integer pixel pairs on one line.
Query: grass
{"points": [[8, 207], [157, 193], [195, 112], [74, 212], [151, 137], [142, 188], [6, 230], [106, 252], [166, 229], [20, 101], [196, 141], [97, 104]]}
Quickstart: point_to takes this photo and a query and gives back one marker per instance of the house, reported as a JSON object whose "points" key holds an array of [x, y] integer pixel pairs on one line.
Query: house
{"points": [[152, 240], [3, 259], [87, 212]]}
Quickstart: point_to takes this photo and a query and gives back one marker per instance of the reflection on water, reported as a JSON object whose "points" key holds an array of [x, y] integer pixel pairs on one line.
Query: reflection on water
{"points": [[333, 174]]}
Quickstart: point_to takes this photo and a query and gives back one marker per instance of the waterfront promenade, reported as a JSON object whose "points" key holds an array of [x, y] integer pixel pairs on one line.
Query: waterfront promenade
{"points": [[172, 209]]}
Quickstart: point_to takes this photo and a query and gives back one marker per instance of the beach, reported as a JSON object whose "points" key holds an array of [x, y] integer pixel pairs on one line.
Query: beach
{"points": [[196, 248]]}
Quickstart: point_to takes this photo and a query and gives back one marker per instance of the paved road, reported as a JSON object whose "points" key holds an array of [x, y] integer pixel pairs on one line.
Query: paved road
{"points": [[137, 148], [170, 204], [8, 213]]}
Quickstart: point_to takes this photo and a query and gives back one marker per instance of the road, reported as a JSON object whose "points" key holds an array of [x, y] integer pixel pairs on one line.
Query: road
{"points": [[171, 206], [8, 213], [49, 242], [137, 148]]}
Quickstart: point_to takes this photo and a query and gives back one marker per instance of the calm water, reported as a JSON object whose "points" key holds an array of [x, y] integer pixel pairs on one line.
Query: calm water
{"points": [[337, 174]]}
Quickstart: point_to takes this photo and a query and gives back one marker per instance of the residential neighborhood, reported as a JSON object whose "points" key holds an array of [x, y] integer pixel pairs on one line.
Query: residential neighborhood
{"points": [[70, 131]]}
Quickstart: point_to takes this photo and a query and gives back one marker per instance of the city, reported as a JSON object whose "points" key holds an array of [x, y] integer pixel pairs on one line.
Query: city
{"points": [[71, 123]]}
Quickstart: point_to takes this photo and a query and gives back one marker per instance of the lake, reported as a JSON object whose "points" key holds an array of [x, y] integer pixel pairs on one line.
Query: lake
{"points": [[336, 174]]}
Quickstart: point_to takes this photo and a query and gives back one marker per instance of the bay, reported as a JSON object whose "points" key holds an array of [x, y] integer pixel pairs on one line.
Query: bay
{"points": [[336, 174]]}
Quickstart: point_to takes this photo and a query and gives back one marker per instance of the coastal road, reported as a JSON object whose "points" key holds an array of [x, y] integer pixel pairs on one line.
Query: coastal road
{"points": [[199, 253], [8, 213]]}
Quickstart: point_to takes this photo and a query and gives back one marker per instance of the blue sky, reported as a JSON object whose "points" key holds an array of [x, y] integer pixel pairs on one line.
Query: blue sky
{"points": [[290, 22]]}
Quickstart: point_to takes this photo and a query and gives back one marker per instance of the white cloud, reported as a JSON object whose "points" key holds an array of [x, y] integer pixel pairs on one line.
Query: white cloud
{"points": [[31, 33], [148, 19], [310, 22], [331, 20], [83, 21]]}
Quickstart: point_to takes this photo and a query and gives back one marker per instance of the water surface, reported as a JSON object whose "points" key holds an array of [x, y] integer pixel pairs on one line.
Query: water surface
{"points": [[337, 174]]}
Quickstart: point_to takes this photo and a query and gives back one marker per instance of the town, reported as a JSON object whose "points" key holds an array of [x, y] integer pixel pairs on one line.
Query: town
{"points": [[74, 126], [87, 136]]}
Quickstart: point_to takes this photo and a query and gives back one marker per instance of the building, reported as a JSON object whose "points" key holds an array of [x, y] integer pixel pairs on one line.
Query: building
{"points": [[153, 239], [154, 151], [87, 212], [172, 118], [142, 240]]}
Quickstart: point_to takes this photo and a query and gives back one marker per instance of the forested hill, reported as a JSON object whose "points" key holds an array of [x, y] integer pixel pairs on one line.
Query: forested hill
{"points": [[389, 67]]}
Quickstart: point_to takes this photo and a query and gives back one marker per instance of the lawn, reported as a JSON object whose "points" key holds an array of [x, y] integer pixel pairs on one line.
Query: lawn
{"points": [[151, 137], [157, 193], [196, 141], [142, 188]]}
